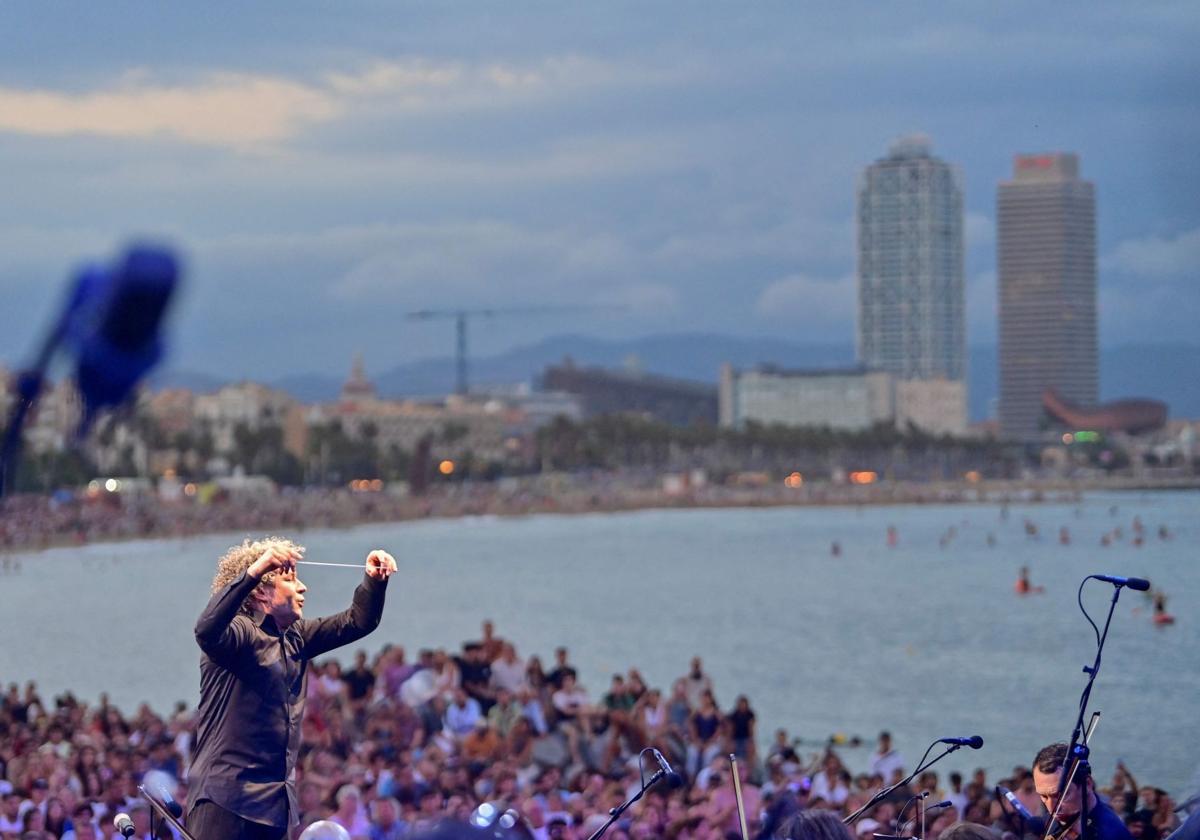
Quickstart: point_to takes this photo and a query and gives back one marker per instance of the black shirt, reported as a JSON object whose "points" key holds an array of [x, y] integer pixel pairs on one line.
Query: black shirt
{"points": [[740, 723], [252, 681], [359, 683], [473, 675]]}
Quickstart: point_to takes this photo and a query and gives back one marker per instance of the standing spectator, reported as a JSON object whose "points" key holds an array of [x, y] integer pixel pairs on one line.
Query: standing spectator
{"points": [[704, 727], [679, 711], [741, 730], [696, 682], [956, 796], [476, 675], [359, 680], [562, 668], [491, 644]]}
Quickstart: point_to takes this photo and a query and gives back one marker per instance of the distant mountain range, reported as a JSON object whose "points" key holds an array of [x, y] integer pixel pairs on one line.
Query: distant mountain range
{"points": [[1162, 371]]}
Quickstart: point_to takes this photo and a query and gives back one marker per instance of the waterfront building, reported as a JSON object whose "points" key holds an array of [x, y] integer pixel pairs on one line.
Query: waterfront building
{"points": [[935, 406], [602, 391], [911, 318], [252, 406], [848, 399], [1046, 284]]}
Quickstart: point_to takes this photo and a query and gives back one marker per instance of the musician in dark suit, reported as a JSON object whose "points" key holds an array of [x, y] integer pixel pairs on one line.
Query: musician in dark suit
{"points": [[1103, 823]]}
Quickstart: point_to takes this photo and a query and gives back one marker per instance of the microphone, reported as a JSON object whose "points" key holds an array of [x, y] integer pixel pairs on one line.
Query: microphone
{"points": [[945, 803], [123, 824], [1138, 584], [1014, 802], [974, 742], [670, 777], [114, 325]]}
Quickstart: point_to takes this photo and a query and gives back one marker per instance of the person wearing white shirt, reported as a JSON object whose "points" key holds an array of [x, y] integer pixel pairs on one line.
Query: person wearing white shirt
{"points": [[885, 761], [508, 672], [829, 784], [956, 796]]}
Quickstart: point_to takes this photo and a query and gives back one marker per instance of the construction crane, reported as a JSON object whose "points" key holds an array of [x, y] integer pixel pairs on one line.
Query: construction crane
{"points": [[461, 316]]}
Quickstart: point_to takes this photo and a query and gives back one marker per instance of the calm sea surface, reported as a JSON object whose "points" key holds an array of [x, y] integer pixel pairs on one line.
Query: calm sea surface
{"points": [[924, 640]]}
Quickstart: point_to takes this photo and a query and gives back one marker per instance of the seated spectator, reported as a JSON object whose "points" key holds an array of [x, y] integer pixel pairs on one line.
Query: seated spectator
{"points": [[505, 713], [462, 714], [386, 823], [350, 813], [508, 672]]}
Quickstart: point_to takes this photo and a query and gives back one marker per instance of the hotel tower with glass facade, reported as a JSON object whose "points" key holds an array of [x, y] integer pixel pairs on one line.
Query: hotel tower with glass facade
{"points": [[1046, 283], [911, 319]]}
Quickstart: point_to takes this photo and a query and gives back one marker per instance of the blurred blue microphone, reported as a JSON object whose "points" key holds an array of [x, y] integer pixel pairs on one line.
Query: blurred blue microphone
{"points": [[111, 324]]}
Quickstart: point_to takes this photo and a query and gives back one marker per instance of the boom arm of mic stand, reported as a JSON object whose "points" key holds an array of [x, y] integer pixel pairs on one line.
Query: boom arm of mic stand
{"points": [[615, 813], [874, 800], [165, 814]]}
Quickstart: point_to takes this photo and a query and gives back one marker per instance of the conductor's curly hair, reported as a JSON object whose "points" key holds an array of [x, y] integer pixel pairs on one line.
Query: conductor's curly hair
{"points": [[239, 558]]}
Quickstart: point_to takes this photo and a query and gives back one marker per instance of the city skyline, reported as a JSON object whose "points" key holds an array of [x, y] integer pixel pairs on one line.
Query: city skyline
{"points": [[326, 172]]}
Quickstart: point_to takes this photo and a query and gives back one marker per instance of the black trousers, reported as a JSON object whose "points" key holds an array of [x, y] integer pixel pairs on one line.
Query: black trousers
{"points": [[209, 821]]}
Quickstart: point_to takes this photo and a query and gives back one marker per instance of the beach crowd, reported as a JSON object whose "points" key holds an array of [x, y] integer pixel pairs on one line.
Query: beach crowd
{"points": [[68, 517], [392, 744]]}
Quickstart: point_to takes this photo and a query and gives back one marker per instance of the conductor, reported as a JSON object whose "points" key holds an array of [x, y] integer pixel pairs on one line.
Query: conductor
{"points": [[256, 646]]}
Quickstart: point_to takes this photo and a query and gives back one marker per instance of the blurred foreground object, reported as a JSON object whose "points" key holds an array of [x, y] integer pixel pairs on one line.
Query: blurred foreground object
{"points": [[324, 830], [110, 326]]}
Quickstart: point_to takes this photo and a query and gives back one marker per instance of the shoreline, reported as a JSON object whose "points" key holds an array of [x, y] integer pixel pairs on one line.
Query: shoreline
{"points": [[97, 522]]}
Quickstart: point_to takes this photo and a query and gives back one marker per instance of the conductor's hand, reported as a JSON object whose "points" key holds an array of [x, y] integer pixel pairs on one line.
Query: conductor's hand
{"points": [[380, 564], [274, 559]]}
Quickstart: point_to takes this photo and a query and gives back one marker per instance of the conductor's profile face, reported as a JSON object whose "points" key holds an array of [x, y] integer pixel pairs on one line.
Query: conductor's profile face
{"points": [[284, 600]]}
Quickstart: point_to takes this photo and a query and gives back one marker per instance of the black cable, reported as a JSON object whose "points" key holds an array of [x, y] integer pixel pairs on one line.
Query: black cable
{"points": [[911, 800], [1079, 600], [642, 766]]}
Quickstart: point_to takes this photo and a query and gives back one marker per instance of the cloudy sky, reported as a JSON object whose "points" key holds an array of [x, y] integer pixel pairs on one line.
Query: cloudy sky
{"points": [[327, 167]]}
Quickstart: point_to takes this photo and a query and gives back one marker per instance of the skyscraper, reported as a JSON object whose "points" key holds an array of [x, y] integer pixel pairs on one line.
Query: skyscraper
{"points": [[1046, 283], [911, 321]]}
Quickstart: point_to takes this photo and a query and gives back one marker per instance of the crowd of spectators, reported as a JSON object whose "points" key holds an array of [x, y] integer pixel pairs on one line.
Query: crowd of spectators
{"points": [[392, 744]]}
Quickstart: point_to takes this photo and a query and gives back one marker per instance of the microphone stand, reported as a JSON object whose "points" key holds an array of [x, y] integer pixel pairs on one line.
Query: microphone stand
{"points": [[921, 768], [1015, 821], [615, 813], [900, 820], [164, 814], [1078, 748], [29, 388]]}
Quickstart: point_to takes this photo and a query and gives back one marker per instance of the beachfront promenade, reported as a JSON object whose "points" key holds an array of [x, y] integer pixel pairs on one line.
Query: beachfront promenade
{"points": [[391, 744], [31, 522]]}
